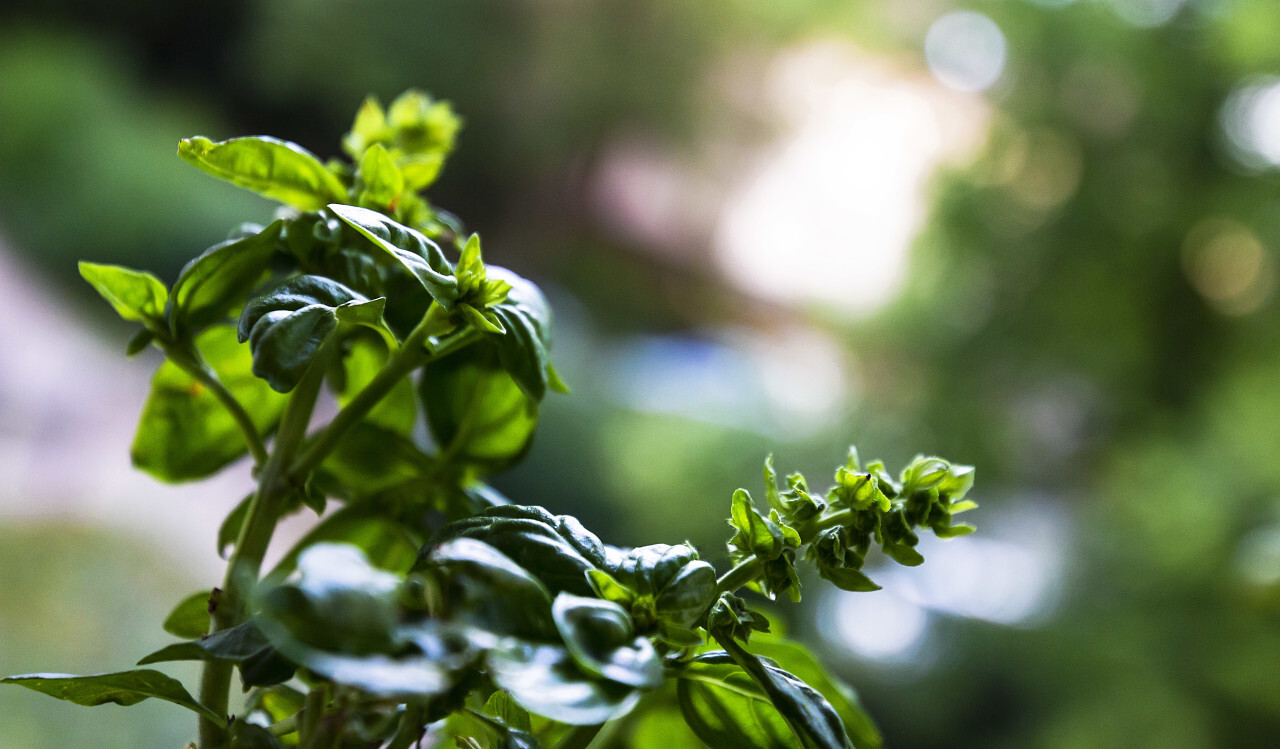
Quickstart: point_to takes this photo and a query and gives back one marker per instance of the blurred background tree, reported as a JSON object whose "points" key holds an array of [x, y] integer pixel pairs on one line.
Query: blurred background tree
{"points": [[1039, 236]]}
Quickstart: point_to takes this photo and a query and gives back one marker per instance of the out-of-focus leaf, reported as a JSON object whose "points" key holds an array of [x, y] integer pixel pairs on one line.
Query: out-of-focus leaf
{"points": [[370, 459], [273, 168], [500, 705], [601, 637], [397, 411], [387, 544], [190, 618], [184, 433], [484, 588], [136, 296], [477, 412], [122, 688], [724, 707], [220, 279], [546, 680], [380, 179]]}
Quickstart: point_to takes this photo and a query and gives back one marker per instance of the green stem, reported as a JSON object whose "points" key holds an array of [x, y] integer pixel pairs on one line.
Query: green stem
{"points": [[285, 727], [746, 570], [407, 358], [255, 536], [580, 737], [193, 364], [313, 717]]}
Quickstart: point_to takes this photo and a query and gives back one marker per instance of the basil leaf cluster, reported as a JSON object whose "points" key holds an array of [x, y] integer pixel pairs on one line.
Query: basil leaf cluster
{"points": [[422, 607]]}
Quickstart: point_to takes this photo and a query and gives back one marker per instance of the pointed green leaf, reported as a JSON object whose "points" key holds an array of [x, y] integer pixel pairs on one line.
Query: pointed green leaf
{"points": [[476, 411], [270, 167], [136, 296], [184, 432], [122, 688], [190, 618], [220, 279], [419, 256]]}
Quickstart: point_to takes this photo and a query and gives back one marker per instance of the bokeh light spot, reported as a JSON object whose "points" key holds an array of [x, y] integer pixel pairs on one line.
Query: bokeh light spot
{"points": [[965, 51], [1228, 265]]}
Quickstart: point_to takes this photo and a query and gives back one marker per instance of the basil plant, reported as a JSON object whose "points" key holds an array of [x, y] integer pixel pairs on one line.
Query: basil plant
{"points": [[423, 608]]}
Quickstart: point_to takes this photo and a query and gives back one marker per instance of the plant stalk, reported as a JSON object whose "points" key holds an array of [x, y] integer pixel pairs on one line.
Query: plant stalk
{"points": [[193, 364], [746, 570], [255, 536]]}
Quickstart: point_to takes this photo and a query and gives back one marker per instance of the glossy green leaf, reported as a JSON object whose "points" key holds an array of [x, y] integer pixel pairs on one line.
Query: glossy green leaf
{"points": [[524, 345], [122, 688], [184, 432], [809, 714], [136, 296], [190, 618], [220, 279], [554, 548], [601, 637], [725, 708], [798, 661], [273, 168], [336, 601], [369, 460], [484, 588], [476, 411], [743, 701], [419, 256], [287, 326], [547, 681]]}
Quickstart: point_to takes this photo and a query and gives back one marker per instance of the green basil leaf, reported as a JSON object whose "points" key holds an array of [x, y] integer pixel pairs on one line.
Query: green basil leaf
{"points": [[679, 586], [397, 412], [229, 531], [219, 280], [335, 601], [421, 257], [525, 343], [250, 736], [547, 681], [122, 688], [601, 637], [273, 168], [369, 460], [139, 341], [797, 660], [380, 181], [184, 433], [554, 548], [287, 326], [190, 618], [386, 544], [725, 708], [476, 411], [810, 716], [500, 705], [234, 644], [136, 296], [370, 126], [422, 125], [484, 588]]}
